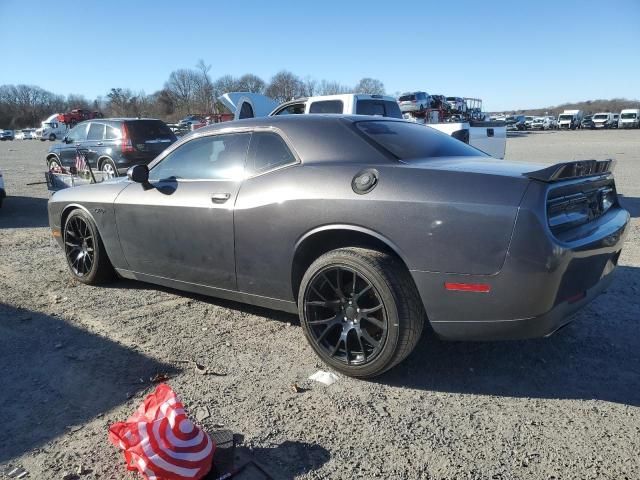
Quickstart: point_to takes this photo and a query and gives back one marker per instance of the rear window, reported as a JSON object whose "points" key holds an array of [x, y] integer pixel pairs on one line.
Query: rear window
{"points": [[382, 108], [408, 141], [407, 98], [145, 130], [627, 116], [327, 106], [600, 117]]}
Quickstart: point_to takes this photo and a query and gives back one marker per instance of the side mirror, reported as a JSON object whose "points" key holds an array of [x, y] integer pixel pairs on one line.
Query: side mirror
{"points": [[138, 174]]}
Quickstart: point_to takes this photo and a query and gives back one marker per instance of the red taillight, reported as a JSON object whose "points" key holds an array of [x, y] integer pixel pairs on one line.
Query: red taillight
{"points": [[126, 144], [468, 287]]}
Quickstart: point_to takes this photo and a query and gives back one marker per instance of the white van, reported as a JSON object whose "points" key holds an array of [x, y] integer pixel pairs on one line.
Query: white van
{"points": [[51, 129], [603, 120], [630, 118]]}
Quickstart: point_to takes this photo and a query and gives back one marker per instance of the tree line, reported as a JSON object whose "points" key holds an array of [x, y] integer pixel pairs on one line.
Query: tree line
{"points": [[187, 90]]}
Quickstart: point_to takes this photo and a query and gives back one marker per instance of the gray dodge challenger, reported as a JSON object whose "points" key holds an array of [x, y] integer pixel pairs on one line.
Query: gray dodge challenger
{"points": [[367, 227]]}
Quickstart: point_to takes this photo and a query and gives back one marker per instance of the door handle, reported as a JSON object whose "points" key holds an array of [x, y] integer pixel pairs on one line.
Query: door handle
{"points": [[99, 144], [220, 197]]}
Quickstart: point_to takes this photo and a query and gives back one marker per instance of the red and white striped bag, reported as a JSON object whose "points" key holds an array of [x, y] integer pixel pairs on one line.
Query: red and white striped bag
{"points": [[161, 442]]}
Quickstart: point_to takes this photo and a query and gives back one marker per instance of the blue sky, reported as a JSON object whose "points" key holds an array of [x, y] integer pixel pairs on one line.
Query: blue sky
{"points": [[512, 54]]}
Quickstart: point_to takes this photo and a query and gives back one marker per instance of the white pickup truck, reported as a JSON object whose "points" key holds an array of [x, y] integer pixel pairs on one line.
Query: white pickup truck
{"points": [[489, 137]]}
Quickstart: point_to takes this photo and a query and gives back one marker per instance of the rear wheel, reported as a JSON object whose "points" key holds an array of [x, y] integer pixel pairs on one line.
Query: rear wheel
{"points": [[109, 168], [86, 256], [360, 311]]}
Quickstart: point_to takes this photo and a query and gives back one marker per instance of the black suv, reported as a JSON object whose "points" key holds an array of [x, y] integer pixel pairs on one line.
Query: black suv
{"points": [[112, 145]]}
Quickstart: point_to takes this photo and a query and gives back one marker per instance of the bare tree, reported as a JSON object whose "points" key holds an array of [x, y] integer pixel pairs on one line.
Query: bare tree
{"points": [[250, 83], [285, 86], [332, 88], [310, 86], [369, 85], [182, 86]]}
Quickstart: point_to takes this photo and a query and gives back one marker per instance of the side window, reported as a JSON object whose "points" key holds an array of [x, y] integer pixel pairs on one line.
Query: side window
{"points": [[295, 109], [268, 150], [78, 133], [246, 111], [215, 157], [327, 106], [112, 133], [96, 131]]}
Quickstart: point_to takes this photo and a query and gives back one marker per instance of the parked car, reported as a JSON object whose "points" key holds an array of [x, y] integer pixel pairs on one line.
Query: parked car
{"points": [[541, 123], [603, 120], [457, 104], [414, 102], [7, 135], [3, 192], [365, 226], [616, 120], [587, 122], [514, 122], [553, 122], [192, 119], [111, 145], [348, 103], [630, 118], [528, 120], [26, 134]]}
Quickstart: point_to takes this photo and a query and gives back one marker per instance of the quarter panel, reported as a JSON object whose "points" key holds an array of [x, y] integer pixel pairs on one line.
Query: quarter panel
{"points": [[440, 221]]}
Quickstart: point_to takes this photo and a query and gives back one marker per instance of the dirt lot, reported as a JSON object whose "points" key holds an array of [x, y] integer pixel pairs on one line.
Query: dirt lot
{"points": [[75, 359]]}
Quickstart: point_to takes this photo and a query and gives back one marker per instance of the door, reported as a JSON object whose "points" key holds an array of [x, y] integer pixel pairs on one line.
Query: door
{"points": [[180, 225], [94, 144], [75, 139]]}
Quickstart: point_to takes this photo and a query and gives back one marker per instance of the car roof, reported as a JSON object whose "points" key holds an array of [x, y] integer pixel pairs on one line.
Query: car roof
{"points": [[313, 119]]}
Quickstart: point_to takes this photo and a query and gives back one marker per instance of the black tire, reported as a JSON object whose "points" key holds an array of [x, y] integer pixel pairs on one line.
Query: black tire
{"points": [[391, 285], [108, 167], [52, 137], [99, 270]]}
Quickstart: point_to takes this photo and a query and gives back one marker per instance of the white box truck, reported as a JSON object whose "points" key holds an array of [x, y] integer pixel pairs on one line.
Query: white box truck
{"points": [[570, 119], [629, 118]]}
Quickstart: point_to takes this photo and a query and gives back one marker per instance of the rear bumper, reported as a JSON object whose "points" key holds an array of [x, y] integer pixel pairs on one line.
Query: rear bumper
{"points": [[543, 281], [522, 328]]}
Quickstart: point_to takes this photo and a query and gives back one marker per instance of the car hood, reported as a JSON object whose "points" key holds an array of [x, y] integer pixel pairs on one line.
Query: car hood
{"points": [[483, 165]]}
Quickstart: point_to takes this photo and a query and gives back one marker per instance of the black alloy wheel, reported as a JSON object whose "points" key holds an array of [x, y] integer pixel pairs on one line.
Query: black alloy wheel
{"points": [[79, 246], [346, 315], [360, 310]]}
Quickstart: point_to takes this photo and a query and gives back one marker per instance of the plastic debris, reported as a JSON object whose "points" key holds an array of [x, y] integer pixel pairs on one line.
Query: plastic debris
{"points": [[328, 378], [160, 441]]}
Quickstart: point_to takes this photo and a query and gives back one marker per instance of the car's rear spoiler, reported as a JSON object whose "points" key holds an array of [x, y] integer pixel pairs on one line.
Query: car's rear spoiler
{"points": [[575, 169]]}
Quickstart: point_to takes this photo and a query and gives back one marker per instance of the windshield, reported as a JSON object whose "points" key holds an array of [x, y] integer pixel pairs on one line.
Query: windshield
{"points": [[587, 118], [601, 116], [528, 118], [565, 117], [452, 99], [409, 141], [407, 98], [628, 116]]}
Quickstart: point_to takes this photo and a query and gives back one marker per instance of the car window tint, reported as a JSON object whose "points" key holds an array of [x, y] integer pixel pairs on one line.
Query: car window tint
{"points": [[268, 150], [145, 130], [327, 106], [408, 141], [215, 157], [112, 133], [295, 109], [382, 108], [78, 133], [96, 131]]}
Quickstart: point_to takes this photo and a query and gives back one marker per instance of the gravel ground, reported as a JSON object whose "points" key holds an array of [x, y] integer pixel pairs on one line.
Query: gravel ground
{"points": [[76, 359]]}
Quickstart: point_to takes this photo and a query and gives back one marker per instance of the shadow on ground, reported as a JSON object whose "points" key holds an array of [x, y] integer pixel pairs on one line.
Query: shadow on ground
{"points": [[595, 357], [55, 376], [24, 212], [632, 204]]}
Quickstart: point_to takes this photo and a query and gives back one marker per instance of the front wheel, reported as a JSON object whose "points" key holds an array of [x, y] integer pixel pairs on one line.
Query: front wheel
{"points": [[86, 256], [360, 311]]}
